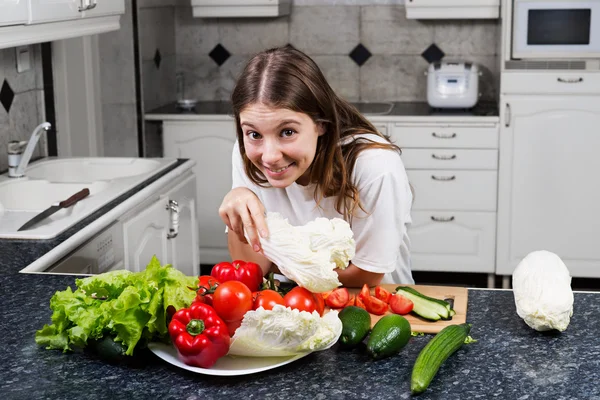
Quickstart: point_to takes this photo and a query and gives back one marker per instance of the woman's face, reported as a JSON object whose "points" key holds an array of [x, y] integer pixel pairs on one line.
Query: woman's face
{"points": [[281, 143]]}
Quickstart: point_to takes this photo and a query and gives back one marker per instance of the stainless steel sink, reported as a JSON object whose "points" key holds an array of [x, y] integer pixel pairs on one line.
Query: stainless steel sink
{"points": [[374, 108]]}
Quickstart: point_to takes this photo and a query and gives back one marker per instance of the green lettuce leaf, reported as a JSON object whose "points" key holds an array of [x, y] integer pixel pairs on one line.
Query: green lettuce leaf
{"points": [[125, 305]]}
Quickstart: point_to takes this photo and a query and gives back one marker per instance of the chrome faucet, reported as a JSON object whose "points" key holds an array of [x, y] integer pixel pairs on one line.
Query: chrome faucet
{"points": [[19, 159]]}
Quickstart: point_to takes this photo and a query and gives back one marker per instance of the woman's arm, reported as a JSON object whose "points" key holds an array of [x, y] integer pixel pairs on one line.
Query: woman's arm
{"points": [[353, 276], [242, 251]]}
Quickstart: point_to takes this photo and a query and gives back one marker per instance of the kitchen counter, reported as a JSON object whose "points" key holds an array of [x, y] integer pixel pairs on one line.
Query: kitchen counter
{"points": [[509, 361], [19, 253], [405, 111]]}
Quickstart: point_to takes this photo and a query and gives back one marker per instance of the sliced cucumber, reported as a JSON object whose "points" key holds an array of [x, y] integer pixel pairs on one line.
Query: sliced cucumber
{"points": [[425, 306]]}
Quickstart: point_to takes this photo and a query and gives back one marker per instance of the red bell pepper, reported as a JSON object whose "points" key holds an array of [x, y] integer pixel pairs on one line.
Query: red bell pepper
{"points": [[248, 273], [199, 335]]}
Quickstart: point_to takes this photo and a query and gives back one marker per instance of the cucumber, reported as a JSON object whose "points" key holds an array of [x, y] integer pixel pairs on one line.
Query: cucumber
{"points": [[425, 306], [433, 355]]}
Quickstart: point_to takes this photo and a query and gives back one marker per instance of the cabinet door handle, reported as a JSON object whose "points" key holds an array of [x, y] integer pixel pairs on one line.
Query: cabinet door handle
{"points": [[440, 136], [443, 178], [507, 116], [173, 209], [452, 157], [442, 219], [85, 4], [574, 80]]}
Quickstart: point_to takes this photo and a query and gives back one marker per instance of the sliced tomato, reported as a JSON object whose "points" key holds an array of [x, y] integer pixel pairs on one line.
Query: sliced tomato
{"points": [[375, 306], [360, 303], [351, 300], [338, 298], [324, 295], [365, 292], [382, 294], [400, 304]]}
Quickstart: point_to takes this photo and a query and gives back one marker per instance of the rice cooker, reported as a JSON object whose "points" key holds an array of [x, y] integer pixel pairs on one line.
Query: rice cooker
{"points": [[452, 84]]}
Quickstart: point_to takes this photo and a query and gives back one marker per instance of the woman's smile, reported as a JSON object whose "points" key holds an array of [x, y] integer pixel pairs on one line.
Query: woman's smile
{"points": [[281, 143]]}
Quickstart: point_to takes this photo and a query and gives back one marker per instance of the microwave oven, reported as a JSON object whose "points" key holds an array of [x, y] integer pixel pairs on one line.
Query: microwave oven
{"points": [[556, 29]]}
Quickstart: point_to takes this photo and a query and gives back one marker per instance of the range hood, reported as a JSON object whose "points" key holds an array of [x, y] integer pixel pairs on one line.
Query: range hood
{"points": [[452, 9], [240, 8]]}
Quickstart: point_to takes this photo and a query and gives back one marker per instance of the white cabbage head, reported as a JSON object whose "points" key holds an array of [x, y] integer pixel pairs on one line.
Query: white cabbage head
{"points": [[542, 290]]}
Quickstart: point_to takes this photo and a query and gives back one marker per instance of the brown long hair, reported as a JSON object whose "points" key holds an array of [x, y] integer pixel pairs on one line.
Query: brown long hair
{"points": [[287, 78]]}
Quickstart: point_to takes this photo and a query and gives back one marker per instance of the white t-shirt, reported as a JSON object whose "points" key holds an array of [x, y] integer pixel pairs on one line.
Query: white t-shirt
{"points": [[382, 243]]}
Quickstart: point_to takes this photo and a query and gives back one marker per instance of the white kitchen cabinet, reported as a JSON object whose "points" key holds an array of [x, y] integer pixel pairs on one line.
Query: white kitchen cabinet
{"points": [[452, 9], [549, 190], [25, 22], [166, 228], [14, 12], [54, 10], [453, 169], [240, 8], [209, 143]]}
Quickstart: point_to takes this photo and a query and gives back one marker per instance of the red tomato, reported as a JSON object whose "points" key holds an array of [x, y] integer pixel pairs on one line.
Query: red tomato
{"points": [[338, 298], [360, 303], [231, 300], [206, 287], [382, 294], [232, 326], [351, 301], [267, 299], [301, 299], [320, 302], [364, 292], [375, 306], [247, 272], [400, 304]]}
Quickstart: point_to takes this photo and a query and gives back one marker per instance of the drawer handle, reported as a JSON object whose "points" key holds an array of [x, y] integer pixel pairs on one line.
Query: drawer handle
{"points": [[442, 219], [570, 80], [452, 157], [436, 135], [443, 178]]}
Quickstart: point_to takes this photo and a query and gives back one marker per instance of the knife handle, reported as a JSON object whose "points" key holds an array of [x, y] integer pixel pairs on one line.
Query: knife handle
{"points": [[82, 194]]}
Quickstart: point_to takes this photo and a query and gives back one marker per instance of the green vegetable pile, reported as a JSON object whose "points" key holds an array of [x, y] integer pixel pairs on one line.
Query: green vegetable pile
{"points": [[127, 306]]}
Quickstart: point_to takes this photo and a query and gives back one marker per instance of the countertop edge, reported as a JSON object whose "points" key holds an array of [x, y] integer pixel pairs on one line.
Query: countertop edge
{"points": [[97, 225]]}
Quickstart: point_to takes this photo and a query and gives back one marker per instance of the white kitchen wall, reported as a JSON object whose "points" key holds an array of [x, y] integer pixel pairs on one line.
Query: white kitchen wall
{"points": [[21, 102]]}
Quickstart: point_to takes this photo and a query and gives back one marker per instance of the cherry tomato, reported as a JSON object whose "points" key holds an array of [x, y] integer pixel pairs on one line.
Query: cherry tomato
{"points": [[247, 272], [206, 287], [231, 300], [400, 304], [338, 298], [267, 299], [301, 299], [382, 294]]}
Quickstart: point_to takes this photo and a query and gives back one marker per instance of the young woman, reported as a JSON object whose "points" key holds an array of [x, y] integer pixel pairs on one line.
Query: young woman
{"points": [[304, 152]]}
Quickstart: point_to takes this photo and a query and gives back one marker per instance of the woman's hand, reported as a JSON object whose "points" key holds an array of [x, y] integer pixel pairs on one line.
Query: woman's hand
{"points": [[243, 212]]}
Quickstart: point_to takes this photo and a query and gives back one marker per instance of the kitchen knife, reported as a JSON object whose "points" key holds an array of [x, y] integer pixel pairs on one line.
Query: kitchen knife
{"points": [[54, 208]]}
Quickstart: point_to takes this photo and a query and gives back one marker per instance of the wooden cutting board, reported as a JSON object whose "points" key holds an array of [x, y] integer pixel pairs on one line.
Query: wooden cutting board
{"points": [[418, 324]]}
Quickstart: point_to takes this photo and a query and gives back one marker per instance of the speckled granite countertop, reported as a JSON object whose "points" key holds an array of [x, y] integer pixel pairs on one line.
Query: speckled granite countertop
{"points": [[16, 254], [509, 361]]}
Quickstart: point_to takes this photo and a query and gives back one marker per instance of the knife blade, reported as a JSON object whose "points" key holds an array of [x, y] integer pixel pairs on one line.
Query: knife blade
{"points": [[83, 193]]}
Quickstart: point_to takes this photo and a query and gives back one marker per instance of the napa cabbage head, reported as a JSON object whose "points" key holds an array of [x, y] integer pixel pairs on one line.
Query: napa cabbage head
{"points": [[309, 254], [283, 331]]}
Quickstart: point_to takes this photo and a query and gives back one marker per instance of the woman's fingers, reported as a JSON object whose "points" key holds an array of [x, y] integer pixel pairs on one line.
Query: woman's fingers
{"points": [[243, 213], [257, 211]]}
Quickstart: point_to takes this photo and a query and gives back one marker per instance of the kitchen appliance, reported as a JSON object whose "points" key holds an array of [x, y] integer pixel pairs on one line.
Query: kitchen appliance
{"points": [[452, 84], [556, 29], [71, 201]]}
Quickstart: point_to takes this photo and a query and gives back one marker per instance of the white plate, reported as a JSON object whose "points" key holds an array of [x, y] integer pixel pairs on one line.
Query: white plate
{"points": [[225, 366]]}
